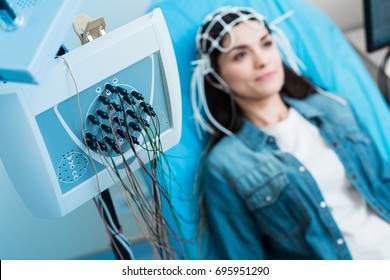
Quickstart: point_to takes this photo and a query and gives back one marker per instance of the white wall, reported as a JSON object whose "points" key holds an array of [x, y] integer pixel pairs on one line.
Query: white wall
{"points": [[115, 13], [23, 236], [347, 14]]}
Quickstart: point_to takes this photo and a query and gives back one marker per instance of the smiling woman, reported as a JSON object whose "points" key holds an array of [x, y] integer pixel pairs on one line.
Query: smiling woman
{"points": [[253, 71], [289, 173], [243, 69]]}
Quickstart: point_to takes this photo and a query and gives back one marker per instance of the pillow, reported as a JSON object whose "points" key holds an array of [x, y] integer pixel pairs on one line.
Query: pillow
{"points": [[330, 60]]}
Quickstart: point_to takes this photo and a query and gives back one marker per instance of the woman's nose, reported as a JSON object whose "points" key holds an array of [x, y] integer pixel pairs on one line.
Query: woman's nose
{"points": [[260, 59]]}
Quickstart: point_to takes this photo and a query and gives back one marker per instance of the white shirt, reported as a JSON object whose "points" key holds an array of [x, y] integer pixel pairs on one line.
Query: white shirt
{"points": [[366, 234]]}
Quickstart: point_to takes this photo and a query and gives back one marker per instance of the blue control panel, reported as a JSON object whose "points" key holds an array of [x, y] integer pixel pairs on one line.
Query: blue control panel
{"points": [[129, 101]]}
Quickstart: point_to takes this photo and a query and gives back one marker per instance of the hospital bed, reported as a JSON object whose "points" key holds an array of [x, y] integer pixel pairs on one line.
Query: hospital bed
{"points": [[330, 61]]}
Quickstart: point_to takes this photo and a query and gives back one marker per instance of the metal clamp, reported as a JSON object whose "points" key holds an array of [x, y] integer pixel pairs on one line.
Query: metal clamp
{"points": [[88, 29]]}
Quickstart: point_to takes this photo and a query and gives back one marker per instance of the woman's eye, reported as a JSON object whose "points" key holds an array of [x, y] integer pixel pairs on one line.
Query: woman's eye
{"points": [[268, 43], [239, 56]]}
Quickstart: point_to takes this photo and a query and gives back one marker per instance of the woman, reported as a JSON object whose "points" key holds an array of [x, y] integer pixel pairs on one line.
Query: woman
{"points": [[290, 174]]}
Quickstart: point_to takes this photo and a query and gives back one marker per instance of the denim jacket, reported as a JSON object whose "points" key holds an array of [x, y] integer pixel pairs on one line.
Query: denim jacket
{"points": [[262, 203]]}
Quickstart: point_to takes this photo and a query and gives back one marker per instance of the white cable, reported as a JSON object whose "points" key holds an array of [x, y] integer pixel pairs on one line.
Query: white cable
{"points": [[282, 18], [199, 120], [333, 96], [115, 231], [197, 90]]}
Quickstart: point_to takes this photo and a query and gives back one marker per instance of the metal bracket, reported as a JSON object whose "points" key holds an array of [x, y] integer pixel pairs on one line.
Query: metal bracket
{"points": [[88, 29]]}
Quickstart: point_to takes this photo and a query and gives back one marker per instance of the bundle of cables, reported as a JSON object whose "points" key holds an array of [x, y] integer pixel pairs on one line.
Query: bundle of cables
{"points": [[122, 124]]}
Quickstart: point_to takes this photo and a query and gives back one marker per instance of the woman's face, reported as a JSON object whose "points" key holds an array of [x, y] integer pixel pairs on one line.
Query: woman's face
{"points": [[253, 69]]}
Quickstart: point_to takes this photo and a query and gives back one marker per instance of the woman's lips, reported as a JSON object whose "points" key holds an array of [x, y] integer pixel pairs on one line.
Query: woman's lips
{"points": [[265, 76]]}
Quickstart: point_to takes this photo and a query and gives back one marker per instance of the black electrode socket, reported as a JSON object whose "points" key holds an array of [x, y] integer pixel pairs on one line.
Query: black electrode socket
{"points": [[116, 107], [103, 146], [129, 100], [102, 114], [121, 133], [104, 100], [106, 128], [119, 121], [135, 126], [122, 91], [92, 145], [93, 119], [137, 95], [90, 136], [131, 113], [111, 88]]}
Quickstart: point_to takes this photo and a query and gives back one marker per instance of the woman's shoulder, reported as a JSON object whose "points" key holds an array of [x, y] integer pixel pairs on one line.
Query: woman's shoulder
{"points": [[335, 108], [227, 147], [331, 99], [329, 104]]}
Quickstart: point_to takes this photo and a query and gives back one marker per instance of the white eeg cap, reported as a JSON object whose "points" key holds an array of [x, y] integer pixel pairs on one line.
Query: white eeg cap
{"points": [[207, 44]]}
